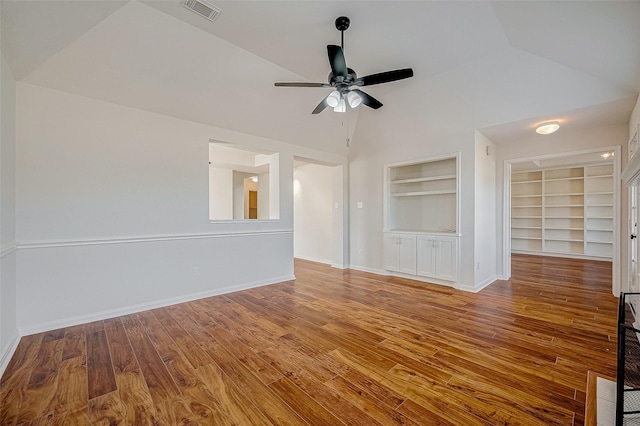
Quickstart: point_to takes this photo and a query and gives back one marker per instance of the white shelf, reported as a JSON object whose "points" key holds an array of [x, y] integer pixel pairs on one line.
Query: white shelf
{"points": [[527, 181], [424, 179], [558, 228], [417, 193], [526, 238], [564, 217], [524, 207], [563, 194], [563, 179]]}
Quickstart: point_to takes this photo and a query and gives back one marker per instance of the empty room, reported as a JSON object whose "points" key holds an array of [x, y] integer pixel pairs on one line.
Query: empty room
{"points": [[318, 212]]}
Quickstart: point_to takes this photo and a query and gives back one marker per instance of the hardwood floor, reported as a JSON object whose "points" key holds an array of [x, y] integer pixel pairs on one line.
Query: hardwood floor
{"points": [[333, 348]]}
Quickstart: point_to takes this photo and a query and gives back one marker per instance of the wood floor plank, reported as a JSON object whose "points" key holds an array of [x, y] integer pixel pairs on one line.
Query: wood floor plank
{"points": [[235, 405], [72, 393], [333, 347], [159, 381], [75, 341], [135, 398], [16, 378], [39, 398], [99, 366], [249, 385], [106, 409], [309, 409]]}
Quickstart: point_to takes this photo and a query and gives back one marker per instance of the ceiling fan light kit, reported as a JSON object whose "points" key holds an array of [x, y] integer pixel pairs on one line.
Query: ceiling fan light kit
{"points": [[342, 79], [333, 99], [354, 99]]}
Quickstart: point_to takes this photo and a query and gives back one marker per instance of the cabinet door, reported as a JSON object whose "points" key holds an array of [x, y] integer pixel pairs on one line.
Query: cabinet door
{"points": [[446, 259], [426, 257], [391, 253], [407, 254]]}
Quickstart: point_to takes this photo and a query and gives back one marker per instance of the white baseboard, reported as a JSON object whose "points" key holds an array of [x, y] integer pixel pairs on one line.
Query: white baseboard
{"points": [[484, 283], [313, 259], [7, 354], [82, 319], [365, 269]]}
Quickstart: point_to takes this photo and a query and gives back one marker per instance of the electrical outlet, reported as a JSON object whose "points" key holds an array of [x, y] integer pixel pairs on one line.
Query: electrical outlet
{"points": [[196, 271], [478, 266]]}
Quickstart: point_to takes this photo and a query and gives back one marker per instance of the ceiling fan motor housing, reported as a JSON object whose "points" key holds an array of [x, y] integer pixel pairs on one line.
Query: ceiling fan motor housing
{"points": [[342, 23]]}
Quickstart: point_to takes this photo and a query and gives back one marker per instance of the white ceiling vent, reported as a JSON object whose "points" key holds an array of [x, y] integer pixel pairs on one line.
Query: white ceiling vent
{"points": [[203, 8]]}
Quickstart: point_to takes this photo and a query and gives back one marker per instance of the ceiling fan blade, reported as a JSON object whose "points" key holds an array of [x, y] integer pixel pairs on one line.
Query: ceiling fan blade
{"points": [[368, 100], [384, 77], [321, 106], [302, 85], [336, 59]]}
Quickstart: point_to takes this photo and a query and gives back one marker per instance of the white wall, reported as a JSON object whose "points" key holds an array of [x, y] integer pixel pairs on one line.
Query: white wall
{"points": [[485, 211], [313, 212], [112, 212], [562, 142], [8, 319], [262, 187], [220, 193]]}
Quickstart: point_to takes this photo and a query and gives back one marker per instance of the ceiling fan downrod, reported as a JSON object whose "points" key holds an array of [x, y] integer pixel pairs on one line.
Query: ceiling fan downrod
{"points": [[342, 24]]}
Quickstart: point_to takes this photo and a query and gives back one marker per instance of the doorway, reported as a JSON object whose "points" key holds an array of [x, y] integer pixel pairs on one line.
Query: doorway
{"points": [[566, 205], [319, 212]]}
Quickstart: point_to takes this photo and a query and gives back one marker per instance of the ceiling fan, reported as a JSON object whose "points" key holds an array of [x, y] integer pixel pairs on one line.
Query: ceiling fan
{"points": [[341, 79]]}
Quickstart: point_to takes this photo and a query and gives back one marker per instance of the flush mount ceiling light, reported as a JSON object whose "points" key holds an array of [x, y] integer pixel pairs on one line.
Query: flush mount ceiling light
{"points": [[607, 155], [547, 128]]}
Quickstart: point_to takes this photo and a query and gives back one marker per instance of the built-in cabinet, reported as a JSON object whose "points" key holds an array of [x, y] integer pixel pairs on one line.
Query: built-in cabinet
{"points": [[400, 253], [563, 211], [422, 218], [436, 257]]}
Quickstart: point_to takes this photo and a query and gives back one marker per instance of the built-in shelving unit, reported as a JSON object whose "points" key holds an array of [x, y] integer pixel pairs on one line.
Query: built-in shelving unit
{"points": [[563, 211], [421, 218], [526, 211], [599, 211], [422, 196]]}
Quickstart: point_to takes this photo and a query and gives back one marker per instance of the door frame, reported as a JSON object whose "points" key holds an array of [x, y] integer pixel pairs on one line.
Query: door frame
{"points": [[617, 213]]}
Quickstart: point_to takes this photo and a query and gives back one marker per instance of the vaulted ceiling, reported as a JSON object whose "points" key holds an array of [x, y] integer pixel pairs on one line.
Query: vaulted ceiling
{"points": [[499, 66]]}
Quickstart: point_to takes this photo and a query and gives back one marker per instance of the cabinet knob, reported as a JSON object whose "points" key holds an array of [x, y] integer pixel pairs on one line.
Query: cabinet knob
{"points": [[632, 236]]}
